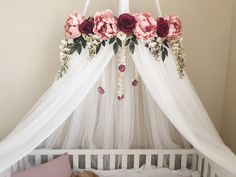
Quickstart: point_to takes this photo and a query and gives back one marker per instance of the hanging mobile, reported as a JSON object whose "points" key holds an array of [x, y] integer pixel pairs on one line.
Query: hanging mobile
{"points": [[101, 89], [135, 80], [121, 70]]}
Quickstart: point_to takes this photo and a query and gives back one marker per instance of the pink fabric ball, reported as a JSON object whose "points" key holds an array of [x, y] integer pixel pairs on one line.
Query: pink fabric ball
{"points": [[145, 27]]}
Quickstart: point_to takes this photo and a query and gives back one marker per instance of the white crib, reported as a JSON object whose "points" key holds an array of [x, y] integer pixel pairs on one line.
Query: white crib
{"points": [[127, 159]]}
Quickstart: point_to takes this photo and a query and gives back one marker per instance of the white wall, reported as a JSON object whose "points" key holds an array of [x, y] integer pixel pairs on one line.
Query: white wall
{"points": [[30, 32], [229, 113]]}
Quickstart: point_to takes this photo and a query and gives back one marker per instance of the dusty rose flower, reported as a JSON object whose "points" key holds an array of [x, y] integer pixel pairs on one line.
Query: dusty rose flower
{"points": [[175, 25], [72, 25], [105, 25], [87, 26], [145, 27], [126, 23], [162, 27]]}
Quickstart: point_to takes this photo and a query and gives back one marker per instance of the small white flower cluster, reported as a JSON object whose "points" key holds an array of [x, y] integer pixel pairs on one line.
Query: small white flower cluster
{"points": [[65, 56], [155, 47], [122, 36], [178, 50], [93, 42]]}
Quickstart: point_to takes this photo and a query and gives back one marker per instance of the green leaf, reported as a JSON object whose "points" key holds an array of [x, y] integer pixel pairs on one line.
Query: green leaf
{"points": [[131, 47], [135, 40], [103, 43], [78, 39], [115, 47], [165, 42], [127, 42], [73, 49], [98, 48], [79, 48], [166, 51], [163, 56], [112, 40], [119, 42], [146, 45], [83, 42]]}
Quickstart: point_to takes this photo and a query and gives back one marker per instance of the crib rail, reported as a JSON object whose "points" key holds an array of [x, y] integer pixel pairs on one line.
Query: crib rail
{"points": [[205, 167], [173, 159], [122, 159]]}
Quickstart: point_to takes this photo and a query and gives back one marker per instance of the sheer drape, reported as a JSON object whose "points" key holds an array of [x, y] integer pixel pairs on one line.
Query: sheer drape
{"points": [[180, 103], [101, 121], [54, 107]]}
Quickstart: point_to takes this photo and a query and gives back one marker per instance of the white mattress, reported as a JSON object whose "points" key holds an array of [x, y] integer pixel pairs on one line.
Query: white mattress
{"points": [[146, 172]]}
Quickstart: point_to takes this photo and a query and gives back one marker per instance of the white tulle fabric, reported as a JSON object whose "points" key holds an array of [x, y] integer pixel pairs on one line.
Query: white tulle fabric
{"points": [[54, 107], [101, 121]]}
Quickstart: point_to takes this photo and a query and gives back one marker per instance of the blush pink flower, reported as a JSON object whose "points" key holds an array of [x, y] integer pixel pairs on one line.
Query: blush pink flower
{"points": [[105, 25], [145, 27], [175, 28], [72, 25]]}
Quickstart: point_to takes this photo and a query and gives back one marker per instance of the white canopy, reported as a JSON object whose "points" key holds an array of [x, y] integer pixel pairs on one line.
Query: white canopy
{"points": [[175, 97]]}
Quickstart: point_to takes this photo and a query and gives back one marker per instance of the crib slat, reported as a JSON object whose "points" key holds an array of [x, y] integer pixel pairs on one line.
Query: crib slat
{"points": [[184, 161], [22, 166], [37, 159], [124, 161], [205, 172], [148, 160], [199, 168], [194, 162], [26, 164], [88, 161], [160, 160], [112, 161], [172, 161], [136, 161], [15, 168], [100, 162], [50, 157], [213, 174], [75, 161]]}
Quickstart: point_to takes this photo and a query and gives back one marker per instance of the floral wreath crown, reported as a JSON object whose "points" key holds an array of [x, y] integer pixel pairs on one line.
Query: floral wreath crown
{"points": [[93, 32], [104, 28]]}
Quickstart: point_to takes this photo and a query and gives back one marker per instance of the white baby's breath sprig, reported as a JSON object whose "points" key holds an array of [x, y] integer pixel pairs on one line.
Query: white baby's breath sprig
{"points": [[155, 47], [178, 51], [65, 56]]}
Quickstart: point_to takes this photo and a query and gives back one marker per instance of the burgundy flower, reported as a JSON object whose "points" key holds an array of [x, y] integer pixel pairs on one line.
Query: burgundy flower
{"points": [[87, 26], [162, 27], [126, 23]]}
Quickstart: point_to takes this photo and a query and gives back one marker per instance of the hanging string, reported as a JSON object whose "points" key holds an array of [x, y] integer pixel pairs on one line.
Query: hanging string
{"points": [[101, 88], [121, 69], [136, 77], [123, 6], [86, 7], [158, 7]]}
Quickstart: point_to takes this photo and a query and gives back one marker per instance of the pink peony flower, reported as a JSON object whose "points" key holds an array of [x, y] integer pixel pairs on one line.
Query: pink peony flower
{"points": [[105, 24], [145, 27], [72, 25], [175, 28]]}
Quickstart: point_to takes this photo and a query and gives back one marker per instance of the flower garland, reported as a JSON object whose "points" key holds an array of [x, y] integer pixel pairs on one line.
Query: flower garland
{"points": [[91, 33]]}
